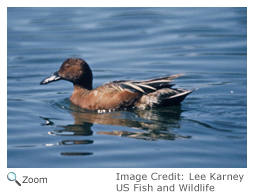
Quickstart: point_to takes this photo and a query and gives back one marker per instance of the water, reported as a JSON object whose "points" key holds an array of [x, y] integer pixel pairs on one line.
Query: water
{"points": [[208, 45]]}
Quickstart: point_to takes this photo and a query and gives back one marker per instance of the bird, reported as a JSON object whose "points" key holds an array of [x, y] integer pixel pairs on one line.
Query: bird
{"points": [[116, 95]]}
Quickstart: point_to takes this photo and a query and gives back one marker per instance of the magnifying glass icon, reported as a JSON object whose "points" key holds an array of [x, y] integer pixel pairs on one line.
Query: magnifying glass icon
{"points": [[12, 177]]}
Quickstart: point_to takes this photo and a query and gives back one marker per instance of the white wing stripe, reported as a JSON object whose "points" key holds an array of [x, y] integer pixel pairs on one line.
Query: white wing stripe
{"points": [[134, 86], [146, 86]]}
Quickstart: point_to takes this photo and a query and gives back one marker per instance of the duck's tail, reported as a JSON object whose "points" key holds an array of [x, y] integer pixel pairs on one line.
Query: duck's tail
{"points": [[163, 97]]}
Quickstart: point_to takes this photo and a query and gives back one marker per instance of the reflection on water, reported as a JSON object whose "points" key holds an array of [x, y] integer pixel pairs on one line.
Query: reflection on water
{"points": [[75, 142], [151, 136], [149, 125], [76, 153]]}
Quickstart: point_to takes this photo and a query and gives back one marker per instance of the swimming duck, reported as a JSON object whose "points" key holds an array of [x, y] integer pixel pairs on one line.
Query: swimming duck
{"points": [[116, 94]]}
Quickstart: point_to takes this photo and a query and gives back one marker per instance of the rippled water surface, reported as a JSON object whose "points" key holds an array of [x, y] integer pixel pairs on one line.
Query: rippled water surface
{"points": [[208, 45]]}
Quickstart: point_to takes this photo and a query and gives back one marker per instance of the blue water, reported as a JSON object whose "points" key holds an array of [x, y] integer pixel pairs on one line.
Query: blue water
{"points": [[208, 45]]}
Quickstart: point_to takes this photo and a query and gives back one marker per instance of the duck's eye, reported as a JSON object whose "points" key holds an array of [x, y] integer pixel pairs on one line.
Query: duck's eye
{"points": [[67, 66]]}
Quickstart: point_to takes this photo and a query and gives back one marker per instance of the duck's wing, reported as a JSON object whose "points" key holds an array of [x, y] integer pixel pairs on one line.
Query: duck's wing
{"points": [[144, 86]]}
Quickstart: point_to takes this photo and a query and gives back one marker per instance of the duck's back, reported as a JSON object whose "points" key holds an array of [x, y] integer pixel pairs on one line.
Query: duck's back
{"points": [[145, 94]]}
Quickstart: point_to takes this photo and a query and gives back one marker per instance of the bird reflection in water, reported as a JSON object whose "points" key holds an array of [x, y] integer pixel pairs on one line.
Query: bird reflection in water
{"points": [[149, 125]]}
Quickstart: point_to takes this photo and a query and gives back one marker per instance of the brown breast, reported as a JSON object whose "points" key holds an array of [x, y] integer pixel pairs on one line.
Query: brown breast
{"points": [[104, 97]]}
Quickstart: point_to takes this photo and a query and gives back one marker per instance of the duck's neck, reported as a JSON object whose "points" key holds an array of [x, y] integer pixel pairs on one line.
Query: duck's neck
{"points": [[80, 90], [85, 84]]}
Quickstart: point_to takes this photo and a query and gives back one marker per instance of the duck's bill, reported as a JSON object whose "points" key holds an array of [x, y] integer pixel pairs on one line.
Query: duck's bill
{"points": [[52, 78]]}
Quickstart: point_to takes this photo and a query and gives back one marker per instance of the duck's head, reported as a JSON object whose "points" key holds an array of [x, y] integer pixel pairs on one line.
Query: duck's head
{"points": [[75, 70]]}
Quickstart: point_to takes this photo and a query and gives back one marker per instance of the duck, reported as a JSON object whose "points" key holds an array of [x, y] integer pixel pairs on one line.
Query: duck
{"points": [[116, 95]]}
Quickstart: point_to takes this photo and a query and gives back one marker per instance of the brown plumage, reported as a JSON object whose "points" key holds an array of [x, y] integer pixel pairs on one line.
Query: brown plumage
{"points": [[116, 94]]}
